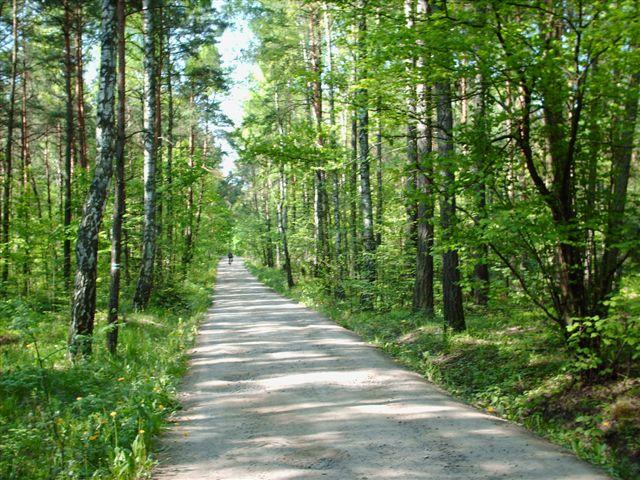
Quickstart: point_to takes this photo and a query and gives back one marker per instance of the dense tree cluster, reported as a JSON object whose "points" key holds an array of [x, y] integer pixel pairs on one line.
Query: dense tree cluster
{"points": [[147, 120], [489, 145]]}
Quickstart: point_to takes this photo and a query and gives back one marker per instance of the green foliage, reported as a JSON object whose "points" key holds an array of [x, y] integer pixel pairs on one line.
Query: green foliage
{"points": [[95, 418], [605, 347]]}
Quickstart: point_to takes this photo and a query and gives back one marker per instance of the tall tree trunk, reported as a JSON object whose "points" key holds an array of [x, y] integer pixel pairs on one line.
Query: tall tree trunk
{"points": [[362, 105], [452, 293], [8, 154], [47, 172], [320, 191], [24, 204], [335, 174], [188, 233], [412, 142], [423, 298], [84, 297], [379, 185], [353, 198], [158, 139], [70, 140], [119, 198], [82, 135], [282, 227], [170, 140], [269, 253], [145, 279], [479, 152]]}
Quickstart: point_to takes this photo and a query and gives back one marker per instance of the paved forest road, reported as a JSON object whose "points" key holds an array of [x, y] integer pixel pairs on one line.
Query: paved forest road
{"points": [[276, 391]]}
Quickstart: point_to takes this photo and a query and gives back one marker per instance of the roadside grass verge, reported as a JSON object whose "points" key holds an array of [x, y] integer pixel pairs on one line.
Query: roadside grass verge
{"points": [[509, 363], [96, 418]]}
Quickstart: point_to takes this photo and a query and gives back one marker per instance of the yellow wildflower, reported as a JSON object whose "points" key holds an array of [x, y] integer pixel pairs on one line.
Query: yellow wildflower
{"points": [[113, 414]]}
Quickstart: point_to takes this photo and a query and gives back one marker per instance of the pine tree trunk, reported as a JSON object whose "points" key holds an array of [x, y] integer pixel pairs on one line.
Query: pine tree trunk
{"points": [[320, 191], [169, 172], [481, 153], [282, 227], [82, 135], [335, 174], [452, 293], [119, 199], [84, 297], [353, 197], [158, 140], [188, 232], [24, 203], [70, 141], [362, 105], [8, 155], [423, 299], [412, 144], [144, 285]]}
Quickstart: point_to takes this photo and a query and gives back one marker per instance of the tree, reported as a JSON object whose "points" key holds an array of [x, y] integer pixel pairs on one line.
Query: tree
{"points": [[84, 296], [145, 279], [120, 181]]}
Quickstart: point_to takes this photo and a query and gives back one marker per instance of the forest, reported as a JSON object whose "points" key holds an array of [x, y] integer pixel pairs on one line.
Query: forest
{"points": [[455, 181]]}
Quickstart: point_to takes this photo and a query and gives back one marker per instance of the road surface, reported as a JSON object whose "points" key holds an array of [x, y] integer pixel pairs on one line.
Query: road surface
{"points": [[278, 392]]}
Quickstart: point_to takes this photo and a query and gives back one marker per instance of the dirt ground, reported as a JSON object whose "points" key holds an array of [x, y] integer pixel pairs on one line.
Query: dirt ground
{"points": [[278, 392]]}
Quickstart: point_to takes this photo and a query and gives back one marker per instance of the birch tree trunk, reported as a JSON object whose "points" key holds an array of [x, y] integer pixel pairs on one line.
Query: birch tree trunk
{"points": [[145, 279], [84, 296]]}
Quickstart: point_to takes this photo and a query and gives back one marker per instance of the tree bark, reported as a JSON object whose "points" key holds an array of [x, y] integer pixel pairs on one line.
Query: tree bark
{"points": [[481, 153], [423, 297], [144, 285], [362, 105], [412, 141], [452, 293], [188, 232], [119, 199], [82, 135], [84, 297], [170, 141], [282, 227], [8, 155], [70, 140], [320, 191], [353, 197]]}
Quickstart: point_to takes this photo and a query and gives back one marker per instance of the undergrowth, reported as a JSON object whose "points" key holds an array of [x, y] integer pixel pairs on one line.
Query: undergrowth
{"points": [[508, 363], [95, 418]]}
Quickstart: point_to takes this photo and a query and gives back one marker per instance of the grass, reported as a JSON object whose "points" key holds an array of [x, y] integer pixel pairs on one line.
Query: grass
{"points": [[95, 418], [508, 363]]}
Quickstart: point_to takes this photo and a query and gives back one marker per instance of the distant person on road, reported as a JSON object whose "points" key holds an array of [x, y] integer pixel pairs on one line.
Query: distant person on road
{"points": [[230, 256]]}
